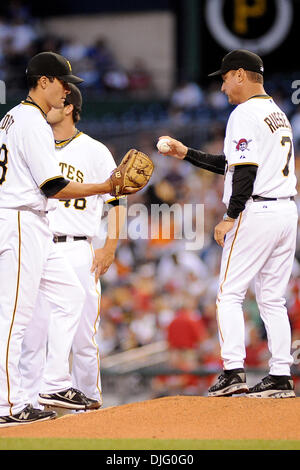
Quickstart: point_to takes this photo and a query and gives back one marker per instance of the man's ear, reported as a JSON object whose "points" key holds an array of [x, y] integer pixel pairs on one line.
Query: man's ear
{"points": [[43, 81], [69, 109], [241, 75]]}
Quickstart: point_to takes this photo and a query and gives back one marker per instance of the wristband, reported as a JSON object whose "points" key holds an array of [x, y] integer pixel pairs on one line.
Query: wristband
{"points": [[226, 218]]}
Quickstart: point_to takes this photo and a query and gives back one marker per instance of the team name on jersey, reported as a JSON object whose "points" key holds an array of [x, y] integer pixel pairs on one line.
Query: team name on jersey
{"points": [[276, 120], [6, 123], [71, 173]]}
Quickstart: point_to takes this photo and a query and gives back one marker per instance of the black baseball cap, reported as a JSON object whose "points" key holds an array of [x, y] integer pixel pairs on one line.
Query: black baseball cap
{"points": [[74, 97], [51, 64], [240, 58]]}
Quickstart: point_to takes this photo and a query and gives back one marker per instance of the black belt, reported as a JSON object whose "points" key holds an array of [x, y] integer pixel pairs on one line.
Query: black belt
{"points": [[261, 198], [63, 238]]}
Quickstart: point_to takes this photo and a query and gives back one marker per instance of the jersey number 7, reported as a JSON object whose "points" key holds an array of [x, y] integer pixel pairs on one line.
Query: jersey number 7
{"points": [[287, 140]]}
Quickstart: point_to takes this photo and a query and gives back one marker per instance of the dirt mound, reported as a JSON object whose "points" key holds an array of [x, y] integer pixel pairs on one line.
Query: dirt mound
{"points": [[177, 418]]}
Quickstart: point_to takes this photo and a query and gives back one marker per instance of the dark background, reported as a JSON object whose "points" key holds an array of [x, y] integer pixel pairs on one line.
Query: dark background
{"points": [[197, 51], [281, 60]]}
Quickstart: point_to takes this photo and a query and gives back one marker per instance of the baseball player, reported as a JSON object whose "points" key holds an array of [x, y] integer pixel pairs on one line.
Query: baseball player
{"points": [[258, 231], [74, 224], [29, 260]]}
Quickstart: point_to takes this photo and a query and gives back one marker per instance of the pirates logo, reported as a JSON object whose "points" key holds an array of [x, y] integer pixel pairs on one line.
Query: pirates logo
{"points": [[242, 145], [253, 26]]}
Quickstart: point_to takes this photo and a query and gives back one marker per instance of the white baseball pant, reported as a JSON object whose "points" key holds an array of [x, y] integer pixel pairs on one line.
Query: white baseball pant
{"points": [[260, 247], [42, 364], [29, 261]]}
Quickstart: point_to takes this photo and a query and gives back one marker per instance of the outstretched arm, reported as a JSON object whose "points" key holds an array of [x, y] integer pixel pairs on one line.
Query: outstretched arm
{"points": [[60, 188], [209, 162]]}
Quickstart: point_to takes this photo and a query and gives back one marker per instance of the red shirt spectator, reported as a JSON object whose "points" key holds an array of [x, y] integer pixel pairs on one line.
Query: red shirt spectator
{"points": [[186, 330]]}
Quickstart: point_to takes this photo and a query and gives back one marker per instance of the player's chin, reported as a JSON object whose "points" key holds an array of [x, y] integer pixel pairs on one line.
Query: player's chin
{"points": [[232, 100], [59, 104]]}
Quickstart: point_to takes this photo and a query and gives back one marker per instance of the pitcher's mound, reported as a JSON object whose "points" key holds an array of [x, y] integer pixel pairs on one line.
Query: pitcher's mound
{"points": [[178, 417]]}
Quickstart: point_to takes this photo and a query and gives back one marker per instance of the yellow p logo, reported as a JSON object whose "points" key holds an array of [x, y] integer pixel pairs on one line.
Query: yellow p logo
{"points": [[243, 11]]}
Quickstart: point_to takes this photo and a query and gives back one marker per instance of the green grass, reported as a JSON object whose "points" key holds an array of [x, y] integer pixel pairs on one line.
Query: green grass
{"points": [[144, 444]]}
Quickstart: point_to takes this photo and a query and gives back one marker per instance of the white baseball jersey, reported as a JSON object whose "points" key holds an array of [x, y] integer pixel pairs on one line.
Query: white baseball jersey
{"points": [[259, 133], [27, 158], [83, 160], [29, 260]]}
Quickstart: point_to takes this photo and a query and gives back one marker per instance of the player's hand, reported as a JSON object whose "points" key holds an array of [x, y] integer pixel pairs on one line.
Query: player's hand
{"points": [[102, 261], [177, 149], [220, 231]]}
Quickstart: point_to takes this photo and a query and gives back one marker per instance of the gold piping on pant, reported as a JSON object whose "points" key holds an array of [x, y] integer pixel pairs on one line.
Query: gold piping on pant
{"points": [[230, 253], [14, 314], [226, 270], [219, 326], [93, 338]]}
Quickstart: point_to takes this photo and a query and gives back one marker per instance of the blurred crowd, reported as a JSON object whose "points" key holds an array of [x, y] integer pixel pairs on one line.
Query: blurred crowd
{"points": [[156, 289], [22, 36]]}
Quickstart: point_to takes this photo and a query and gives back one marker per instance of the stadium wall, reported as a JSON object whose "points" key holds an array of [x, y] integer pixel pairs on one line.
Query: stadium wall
{"points": [[150, 36]]}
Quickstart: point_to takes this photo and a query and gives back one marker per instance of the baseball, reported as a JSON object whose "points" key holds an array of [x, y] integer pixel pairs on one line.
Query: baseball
{"points": [[163, 145]]}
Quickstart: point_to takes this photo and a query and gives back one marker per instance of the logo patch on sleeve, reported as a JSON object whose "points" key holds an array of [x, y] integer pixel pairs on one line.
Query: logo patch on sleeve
{"points": [[242, 145]]}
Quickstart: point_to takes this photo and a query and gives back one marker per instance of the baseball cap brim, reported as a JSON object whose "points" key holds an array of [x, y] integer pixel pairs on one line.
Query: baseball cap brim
{"points": [[215, 74], [240, 58], [70, 78]]}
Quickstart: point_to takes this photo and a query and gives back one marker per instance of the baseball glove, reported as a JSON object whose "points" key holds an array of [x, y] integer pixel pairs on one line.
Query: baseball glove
{"points": [[132, 174]]}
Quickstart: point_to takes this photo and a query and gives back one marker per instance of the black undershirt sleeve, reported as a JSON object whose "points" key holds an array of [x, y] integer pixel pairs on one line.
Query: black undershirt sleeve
{"points": [[242, 188], [207, 161], [50, 188]]}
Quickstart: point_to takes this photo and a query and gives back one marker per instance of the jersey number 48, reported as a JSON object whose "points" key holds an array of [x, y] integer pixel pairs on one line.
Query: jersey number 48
{"points": [[79, 204]]}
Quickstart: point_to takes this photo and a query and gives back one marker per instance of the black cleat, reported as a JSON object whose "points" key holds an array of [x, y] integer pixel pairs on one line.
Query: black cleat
{"points": [[71, 398], [273, 386], [230, 382], [26, 416]]}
